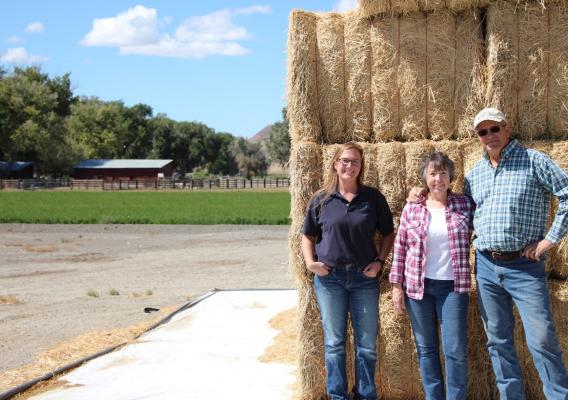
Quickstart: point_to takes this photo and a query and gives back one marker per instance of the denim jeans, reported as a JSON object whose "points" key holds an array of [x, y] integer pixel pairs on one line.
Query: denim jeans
{"points": [[442, 305], [340, 293], [522, 282]]}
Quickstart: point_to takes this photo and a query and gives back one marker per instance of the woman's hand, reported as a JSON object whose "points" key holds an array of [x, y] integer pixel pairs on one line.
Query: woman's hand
{"points": [[318, 268], [414, 194], [372, 270], [398, 299]]}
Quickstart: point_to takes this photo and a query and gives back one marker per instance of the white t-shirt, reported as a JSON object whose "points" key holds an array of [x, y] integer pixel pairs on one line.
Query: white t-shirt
{"points": [[438, 256]]}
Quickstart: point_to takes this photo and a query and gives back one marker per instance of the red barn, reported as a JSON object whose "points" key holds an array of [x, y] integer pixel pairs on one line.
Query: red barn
{"points": [[123, 169]]}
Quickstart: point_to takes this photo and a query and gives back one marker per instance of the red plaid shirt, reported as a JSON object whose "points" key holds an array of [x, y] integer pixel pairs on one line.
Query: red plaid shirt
{"points": [[409, 256]]}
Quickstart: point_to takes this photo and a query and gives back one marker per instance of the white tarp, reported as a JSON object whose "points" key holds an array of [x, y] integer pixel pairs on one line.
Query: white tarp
{"points": [[209, 351]]}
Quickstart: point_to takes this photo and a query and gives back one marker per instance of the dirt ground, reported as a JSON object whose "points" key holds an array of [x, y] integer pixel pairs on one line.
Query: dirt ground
{"points": [[61, 281]]}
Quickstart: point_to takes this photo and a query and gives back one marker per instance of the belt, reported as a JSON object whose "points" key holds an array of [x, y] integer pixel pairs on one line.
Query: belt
{"points": [[502, 255]]}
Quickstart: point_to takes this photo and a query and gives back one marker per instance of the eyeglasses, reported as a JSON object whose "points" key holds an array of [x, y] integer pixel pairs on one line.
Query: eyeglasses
{"points": [[493, 129], [346, 161]]}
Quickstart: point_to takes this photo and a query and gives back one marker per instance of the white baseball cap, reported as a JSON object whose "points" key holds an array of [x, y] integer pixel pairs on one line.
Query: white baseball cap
{"points": [[489, 114]]}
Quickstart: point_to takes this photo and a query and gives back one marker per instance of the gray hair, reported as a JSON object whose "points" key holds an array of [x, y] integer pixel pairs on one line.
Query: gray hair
{"points": [[440, 161]]}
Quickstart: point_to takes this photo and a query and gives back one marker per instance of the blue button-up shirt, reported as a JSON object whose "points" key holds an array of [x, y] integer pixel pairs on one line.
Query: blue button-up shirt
{"points": [[513, 199]]}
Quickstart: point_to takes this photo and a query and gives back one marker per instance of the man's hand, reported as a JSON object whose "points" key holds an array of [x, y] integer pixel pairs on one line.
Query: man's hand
{"points": [[414, 194], [318, 268], [536, 250], [372, 270], [398, 299]]}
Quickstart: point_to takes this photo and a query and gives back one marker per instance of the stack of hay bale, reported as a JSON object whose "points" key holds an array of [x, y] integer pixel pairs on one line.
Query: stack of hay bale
{"points": [[404, 78]]}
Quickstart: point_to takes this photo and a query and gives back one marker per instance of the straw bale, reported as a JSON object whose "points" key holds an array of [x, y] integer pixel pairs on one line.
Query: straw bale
{"points": [[414, 153], [331, 76], [358, 77], [398, 375], [481, 379], [369, 8], [469, 78], [502, 60], [454, 150], [412, 72], [385, 38], [472, 153], [558, 65], [390, 163], [560, 155], [302, 94], [305, 176], [440, 74], [371, 174]]}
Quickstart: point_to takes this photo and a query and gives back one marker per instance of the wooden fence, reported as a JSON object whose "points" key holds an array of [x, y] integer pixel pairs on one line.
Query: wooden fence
{"points": [[142, 184]]}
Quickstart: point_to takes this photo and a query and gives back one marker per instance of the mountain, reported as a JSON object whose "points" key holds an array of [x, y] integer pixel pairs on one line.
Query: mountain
{"points": [[262, 134]]}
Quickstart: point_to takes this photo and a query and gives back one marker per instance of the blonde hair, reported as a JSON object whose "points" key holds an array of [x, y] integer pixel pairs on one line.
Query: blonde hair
{"points": [[331, 180]]}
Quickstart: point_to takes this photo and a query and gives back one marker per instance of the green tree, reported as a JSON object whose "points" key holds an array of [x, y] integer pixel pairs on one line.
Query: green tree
{"points": [[249, 157], [278, 141]]}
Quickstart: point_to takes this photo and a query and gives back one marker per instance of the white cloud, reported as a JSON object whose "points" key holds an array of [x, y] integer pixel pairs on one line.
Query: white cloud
{"points": [[345, 5], [137, 31], [15, 40], [20, 56], [35, 27]]}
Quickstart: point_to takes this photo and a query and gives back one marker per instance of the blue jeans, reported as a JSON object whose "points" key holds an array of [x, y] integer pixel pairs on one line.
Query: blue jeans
{"points": [[340, 293], [522, 282], [442, 305]]}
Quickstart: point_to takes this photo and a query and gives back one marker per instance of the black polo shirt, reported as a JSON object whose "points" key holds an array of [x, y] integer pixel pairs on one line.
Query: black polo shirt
{"points": [[345, 230]]}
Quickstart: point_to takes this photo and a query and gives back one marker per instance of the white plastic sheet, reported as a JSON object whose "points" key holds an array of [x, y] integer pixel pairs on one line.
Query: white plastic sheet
{"points": [[209, 351]]}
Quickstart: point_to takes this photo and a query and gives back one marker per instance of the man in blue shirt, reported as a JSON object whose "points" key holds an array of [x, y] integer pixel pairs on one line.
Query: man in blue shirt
{"points": [[511, 187]]}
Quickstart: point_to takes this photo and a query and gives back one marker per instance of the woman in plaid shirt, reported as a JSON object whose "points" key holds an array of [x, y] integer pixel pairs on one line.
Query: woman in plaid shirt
{"points": [[431, 266]]}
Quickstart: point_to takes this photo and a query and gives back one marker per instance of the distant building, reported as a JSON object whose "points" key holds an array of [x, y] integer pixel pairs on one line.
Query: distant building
{"points": [[123, 169], [16, 170]]}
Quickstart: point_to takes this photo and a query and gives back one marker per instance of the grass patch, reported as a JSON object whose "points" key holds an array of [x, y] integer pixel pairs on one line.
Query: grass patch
{"points": [[202, 208], [113, 292], [92, 293]]}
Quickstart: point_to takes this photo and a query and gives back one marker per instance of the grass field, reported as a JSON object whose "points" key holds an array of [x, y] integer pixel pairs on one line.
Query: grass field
{"points": [[204, 208]]}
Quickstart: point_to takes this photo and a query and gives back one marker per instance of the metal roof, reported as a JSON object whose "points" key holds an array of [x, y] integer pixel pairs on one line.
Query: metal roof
{"points": [[14, 165], [122, 164]]}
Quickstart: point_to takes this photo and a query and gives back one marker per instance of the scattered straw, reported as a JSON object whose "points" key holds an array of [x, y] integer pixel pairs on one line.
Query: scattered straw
{"points": [[9, 299], [40, 249], [72, 350], [284, 348]]}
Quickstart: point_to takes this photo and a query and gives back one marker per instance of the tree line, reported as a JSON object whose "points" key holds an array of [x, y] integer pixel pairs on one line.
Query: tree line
{"points": [[41, 120]]}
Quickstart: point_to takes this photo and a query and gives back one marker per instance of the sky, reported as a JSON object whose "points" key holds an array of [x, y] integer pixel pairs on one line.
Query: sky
{"points": [[219, 62]]}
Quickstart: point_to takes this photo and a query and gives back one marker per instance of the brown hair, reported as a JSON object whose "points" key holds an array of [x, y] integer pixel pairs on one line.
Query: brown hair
{"points": [[440, 161]]}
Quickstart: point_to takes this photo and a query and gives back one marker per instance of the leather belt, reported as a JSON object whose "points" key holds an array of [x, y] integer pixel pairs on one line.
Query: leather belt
{"points": [[503, 255]]}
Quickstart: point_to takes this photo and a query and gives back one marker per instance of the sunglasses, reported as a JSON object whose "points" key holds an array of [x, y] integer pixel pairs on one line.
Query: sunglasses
{"points": [[493, 129]]}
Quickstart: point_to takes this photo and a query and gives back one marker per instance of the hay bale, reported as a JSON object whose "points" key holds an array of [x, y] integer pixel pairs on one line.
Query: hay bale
{"points": [[305, 176], [472, 153], [558, 69], [370, 8], [358, 78], [385, 39], [412, 72], [502, 60], [559, 259], [441, 68], [414, 153], [331, 76], [481, 379], [469, 77], [398, 376], [527, 67], [390, 163], [454, 150], [303, 114]]}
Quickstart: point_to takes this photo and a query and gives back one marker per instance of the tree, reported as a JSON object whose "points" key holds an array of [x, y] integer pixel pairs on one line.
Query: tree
{"points": [[249, 157], [278, 141]]}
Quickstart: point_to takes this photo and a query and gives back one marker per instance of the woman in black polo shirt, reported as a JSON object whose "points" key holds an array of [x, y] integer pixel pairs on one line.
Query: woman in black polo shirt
{"points": [[338, 247]]}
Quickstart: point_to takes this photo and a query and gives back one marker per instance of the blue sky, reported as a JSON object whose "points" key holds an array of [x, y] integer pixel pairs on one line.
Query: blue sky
{"points": [[217, 62]]}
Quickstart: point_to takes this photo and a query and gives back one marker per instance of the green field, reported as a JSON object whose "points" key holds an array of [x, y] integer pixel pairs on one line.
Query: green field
{"points": [[204, 208]]}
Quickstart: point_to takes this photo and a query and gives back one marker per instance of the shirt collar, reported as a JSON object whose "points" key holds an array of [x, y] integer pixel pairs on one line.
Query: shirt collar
{"points": [[506, 151]]}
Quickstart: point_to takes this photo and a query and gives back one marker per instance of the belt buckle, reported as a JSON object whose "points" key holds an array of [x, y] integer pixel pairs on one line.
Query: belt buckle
{"points": [[496, 255]]}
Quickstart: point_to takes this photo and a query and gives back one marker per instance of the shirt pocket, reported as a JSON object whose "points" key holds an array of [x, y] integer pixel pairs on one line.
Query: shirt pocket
{"points": [[459, 222]]}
